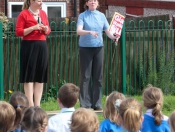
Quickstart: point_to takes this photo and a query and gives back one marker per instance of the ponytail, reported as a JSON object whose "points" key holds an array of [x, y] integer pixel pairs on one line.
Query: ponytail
{"points": [[26, 4], [18, 117], [130, 111], [157, 114], [153, 99]]}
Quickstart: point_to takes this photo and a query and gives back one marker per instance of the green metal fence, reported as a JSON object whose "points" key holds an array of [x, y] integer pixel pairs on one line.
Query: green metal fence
{"points": [[63, 61], [144, 48]]}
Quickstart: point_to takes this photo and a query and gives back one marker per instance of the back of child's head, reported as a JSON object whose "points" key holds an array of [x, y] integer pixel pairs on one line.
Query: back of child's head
{"points": [[68, 94], [34, 120], [130, 112], [84, 120], [19, 101], [7, 117], [110, 111], [153, 99], [172, 121]]}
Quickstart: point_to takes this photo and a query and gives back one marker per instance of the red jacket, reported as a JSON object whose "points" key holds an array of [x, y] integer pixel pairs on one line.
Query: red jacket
{"points": [[25, 20]]}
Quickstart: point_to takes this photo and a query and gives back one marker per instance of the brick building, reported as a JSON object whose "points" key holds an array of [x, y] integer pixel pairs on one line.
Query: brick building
{"points": [[141, 7], [72, 8]]}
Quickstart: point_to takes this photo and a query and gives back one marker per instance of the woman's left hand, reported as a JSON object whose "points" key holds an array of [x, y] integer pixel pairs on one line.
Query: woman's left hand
{"points": [[45, 28]]}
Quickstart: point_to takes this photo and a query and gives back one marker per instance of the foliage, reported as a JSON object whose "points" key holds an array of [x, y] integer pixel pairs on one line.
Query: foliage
{"points": [[53, 90], [4, 21], [161, 73]]}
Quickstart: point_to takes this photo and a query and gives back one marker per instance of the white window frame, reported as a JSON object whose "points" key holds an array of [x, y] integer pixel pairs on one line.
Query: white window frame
{"points": [[44, 7], [55, 4], [10, 7]]}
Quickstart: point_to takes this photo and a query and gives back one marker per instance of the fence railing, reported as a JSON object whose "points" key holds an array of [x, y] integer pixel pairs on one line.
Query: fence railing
{"points": [[138, 59]]}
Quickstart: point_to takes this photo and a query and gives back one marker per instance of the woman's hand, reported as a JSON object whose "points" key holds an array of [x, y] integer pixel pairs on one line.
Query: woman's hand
{"points": [[45, 28], [37, 27], [110, 35], [93, 33]]}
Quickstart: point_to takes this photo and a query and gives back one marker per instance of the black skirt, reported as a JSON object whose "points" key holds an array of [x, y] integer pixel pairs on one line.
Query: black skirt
{"points": [[33, 61]]}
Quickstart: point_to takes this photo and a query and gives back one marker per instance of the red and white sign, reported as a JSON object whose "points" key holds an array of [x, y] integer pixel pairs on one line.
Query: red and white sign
{"points": [[116, 25]]}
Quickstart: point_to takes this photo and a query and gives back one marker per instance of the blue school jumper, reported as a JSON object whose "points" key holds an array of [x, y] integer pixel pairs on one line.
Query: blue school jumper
{"points": [[108, 126], [148, 125]]}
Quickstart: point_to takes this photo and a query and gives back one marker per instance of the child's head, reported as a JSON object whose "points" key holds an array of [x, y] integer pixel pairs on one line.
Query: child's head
{"points": [[34, 120], [153, 99], [19, 101], [7, 117], [68, 95], [110, 111], [172, 122], [130, 112], [84, 120]]}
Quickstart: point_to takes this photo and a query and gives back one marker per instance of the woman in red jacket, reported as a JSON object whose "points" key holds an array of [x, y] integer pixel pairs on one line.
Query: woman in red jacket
{"points": [[33, 26]]}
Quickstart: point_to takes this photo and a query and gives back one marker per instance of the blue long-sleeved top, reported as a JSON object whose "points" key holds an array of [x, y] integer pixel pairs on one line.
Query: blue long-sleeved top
{"points": [[108, 126], [148, 125]]}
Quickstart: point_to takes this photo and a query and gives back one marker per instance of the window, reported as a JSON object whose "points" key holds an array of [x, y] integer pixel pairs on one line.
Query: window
{"points": [[52, 9], [14, 9]]}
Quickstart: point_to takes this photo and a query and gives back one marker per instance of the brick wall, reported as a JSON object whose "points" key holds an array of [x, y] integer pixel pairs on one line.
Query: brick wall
{"points": [[70, 5], [2, 6]]}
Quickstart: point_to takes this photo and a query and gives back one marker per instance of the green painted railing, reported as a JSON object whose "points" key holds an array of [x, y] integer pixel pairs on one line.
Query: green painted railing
{"points": [[1, 65], [142, 51]]}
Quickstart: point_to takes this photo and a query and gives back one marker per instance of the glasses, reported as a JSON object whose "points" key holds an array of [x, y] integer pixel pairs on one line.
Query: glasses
{"points": [[93, 1]]}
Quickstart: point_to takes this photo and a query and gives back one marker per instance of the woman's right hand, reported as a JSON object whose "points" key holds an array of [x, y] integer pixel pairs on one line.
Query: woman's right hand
{"points": [[93, 33], [37, 27]]}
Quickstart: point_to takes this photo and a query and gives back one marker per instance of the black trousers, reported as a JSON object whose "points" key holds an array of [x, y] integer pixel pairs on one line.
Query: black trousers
{"points": [[91, 64]]}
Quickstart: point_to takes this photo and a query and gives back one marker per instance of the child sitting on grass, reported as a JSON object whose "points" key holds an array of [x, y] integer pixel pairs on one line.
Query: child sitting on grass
{"points": [[34, 120], [7, 117], [84, 120], [172, 121], [130, 115], [110, 113], [20, 102], [68, 96], [154, 120]]}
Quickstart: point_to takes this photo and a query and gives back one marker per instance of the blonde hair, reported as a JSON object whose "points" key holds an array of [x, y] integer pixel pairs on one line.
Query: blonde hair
{"points": [[26, 4], [110, 111], [130, 112], [7, 116], [84, 120], [172, 122], [35, 119], [153, 99]]}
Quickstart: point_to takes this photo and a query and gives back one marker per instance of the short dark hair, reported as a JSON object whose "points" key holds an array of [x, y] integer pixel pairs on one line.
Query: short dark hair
{"points": [[68, 94], [86, 7], [35, 119]]}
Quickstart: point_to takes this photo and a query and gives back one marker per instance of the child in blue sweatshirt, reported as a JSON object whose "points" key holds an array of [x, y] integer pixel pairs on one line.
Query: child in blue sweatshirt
{"points": [[110, 113], [154, 120], [172, 122]]}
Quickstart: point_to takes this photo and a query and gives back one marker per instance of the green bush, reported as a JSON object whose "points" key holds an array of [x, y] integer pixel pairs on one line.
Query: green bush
{"points": [[4, 21]]}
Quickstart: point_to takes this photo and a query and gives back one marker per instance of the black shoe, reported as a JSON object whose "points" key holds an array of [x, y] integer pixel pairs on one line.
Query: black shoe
{"points": [[98, 108]]}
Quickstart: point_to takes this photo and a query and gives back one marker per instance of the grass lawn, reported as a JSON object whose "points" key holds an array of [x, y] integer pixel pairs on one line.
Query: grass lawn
{"points": [[168, 106]]}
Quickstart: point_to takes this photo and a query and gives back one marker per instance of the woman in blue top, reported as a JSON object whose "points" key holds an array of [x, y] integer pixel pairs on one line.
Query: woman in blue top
{"points": [[154, 120], [90, 26], [110, 113]]}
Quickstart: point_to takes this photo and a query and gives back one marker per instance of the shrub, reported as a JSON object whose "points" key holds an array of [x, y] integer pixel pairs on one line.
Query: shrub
{"points": [[4, 21]]}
